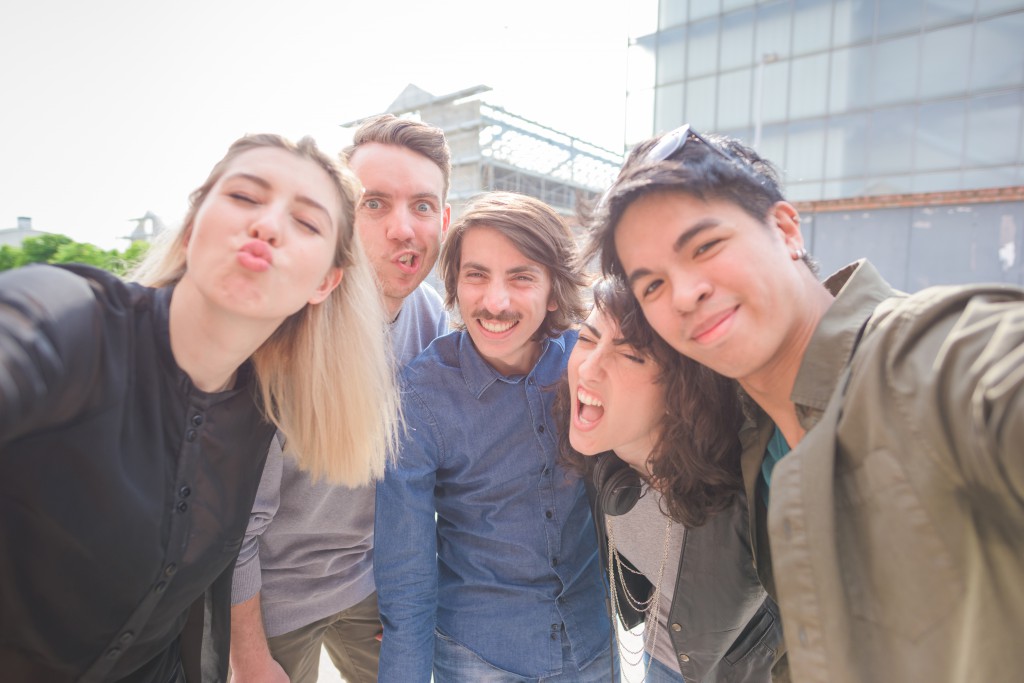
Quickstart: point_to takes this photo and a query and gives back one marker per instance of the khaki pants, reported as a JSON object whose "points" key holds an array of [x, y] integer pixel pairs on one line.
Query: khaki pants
{"points": [[350, 638]]}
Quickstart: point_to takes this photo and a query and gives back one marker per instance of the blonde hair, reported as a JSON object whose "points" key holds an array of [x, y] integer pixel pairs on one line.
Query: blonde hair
{"points": [[325, 375]]}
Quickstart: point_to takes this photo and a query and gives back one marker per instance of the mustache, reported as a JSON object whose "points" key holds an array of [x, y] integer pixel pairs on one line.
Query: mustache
{"points": [[503, 317]]}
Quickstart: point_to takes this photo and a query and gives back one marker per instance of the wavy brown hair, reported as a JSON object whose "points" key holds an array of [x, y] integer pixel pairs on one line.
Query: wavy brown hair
{"points": [[539, 233], [696, 460]]}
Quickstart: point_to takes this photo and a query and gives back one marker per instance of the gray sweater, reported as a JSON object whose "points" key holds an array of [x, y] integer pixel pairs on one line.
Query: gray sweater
{"points": [[308, 549]]}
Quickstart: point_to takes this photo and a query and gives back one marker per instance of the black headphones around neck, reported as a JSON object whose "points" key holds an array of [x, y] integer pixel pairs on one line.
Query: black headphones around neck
{"points": [[618, 485]]}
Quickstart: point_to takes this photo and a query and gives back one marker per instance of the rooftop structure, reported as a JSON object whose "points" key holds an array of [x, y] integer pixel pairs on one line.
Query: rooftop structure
{"points": [[495, 149]]}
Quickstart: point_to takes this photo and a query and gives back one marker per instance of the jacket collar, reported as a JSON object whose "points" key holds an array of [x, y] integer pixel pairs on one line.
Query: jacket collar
{"points": [[858, 289]]}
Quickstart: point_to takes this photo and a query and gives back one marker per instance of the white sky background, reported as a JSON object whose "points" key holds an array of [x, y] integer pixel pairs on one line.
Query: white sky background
{"points": [[112, 108]]}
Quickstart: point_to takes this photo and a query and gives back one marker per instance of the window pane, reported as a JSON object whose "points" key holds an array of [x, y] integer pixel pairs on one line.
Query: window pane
{"points": [[728, 5], [809, 94], [803, 192], [805, 151], [993, 129], [774, 92], [700, 103], [980, 178], [668, 107], [854, 21], [671, 13], [702, 47], [737, 40], [846, 145], [672, 55], [702, 8], [940, 136], [945, 11], [892, 134], [943, 66], [773, 21], [850, 86], [941, 181], [893, 184], [734, 99], [773, 145], [895, 67], [812, 25], [991, 6], [898, 17], [998, 57]]}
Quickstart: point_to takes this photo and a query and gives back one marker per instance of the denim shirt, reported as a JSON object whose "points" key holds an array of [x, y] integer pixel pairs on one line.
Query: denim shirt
{"points": [[512, 557]]}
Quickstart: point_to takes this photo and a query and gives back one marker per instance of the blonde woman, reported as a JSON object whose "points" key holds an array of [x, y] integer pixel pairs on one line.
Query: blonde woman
{"points": [[134, 418]]}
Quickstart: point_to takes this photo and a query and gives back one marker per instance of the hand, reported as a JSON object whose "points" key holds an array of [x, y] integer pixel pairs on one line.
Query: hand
{"points": [[268, 671]]}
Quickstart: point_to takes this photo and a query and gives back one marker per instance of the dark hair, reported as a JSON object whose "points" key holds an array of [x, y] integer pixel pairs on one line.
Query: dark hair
{"points": [[420, 137], [696, 460], [536, 231], [735, 174]]}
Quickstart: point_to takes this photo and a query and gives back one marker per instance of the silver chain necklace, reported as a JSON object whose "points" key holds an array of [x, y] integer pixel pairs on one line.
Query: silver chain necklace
{"points": [[651, 606]]}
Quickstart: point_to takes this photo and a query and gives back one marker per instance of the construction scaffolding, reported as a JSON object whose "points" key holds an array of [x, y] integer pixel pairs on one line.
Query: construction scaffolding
{"points": [[494, 149]]}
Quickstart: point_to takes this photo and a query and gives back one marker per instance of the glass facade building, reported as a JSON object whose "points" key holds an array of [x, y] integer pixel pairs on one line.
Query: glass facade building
{"points": [[850, 98]]}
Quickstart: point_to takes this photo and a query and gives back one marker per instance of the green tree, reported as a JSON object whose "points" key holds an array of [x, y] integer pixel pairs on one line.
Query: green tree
{"points": [[42, 249], [131, 257], [62, 249], [10, 257], [89, 254]]}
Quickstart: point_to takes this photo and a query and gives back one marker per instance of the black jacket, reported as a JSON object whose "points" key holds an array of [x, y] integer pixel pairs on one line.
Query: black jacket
{"points": [[723, 625], [124, 490]]}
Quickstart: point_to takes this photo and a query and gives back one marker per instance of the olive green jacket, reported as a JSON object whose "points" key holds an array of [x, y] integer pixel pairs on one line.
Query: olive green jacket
{"points": [[897, 523]]}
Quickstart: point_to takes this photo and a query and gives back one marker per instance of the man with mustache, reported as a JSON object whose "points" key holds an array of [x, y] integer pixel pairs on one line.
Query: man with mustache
{"points": [[304, 578], [505, 583]]}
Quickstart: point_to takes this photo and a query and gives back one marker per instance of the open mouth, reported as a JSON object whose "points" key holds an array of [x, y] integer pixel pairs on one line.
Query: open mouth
{"points": [[408, 262], [589, 408], [497, 326]]}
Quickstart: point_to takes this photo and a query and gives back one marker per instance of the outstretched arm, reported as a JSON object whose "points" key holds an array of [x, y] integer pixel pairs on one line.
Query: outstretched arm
{"points": [[50, 346]]}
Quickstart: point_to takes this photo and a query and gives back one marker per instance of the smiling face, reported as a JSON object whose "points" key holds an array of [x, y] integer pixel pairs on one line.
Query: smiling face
{"points": [[718, 285], [503, 298], [401, 218], [617, 403], [262, 243]]}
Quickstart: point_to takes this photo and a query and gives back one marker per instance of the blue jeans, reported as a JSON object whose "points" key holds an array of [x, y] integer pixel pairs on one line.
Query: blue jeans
{"points": [[455, 663], [659, 673]]}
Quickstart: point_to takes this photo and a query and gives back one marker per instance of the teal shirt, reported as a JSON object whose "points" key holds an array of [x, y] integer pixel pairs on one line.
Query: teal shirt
{"points": [[777, 448]]}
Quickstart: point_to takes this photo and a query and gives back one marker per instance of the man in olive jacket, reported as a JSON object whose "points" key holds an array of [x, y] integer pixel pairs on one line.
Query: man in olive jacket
{"points": [[896, 521]]}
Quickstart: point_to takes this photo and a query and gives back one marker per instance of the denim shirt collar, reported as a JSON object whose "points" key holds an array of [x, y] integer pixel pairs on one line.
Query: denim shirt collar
{"points": [[479, 375]]}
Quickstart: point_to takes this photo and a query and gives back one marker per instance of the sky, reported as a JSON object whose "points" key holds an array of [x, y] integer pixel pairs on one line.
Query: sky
{"points": [[112, 108]]}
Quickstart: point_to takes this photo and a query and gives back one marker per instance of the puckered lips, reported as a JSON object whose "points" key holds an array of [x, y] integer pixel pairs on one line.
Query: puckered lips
{"points": [[255, 255], [713, 327], [589, 409]]}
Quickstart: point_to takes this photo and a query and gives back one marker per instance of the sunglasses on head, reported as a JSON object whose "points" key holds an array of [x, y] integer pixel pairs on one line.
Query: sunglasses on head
{"points": [[673, 141]]}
